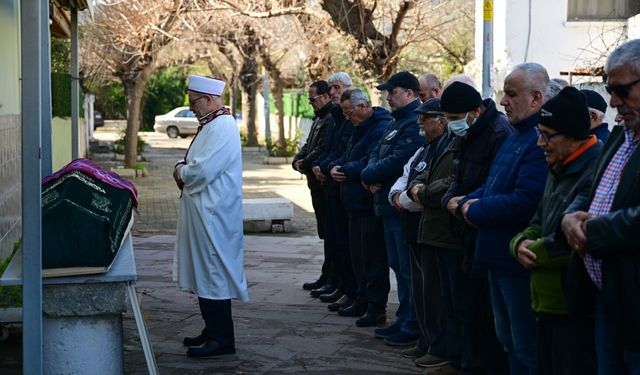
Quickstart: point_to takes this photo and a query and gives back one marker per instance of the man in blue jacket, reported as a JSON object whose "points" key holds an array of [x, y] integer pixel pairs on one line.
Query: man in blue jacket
{"points": [[399, 142], [366, 241], [503, 206]]}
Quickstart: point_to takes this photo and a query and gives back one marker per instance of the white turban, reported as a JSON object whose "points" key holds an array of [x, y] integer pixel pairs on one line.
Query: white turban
{"points": [[206, 85]]}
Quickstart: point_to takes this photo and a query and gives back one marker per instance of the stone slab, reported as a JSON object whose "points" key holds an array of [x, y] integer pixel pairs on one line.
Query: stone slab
{"points": [[267, 209]]}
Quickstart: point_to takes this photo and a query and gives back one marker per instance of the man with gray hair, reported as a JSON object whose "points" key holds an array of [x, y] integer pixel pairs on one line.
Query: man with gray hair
{"points": [[597, 108], [336, 225], [503, 206], [602, 225], [429, 87], [366, 240]]}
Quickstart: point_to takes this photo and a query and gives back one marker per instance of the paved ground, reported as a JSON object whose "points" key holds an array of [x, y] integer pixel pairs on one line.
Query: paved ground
{"points": [[282, 330]]}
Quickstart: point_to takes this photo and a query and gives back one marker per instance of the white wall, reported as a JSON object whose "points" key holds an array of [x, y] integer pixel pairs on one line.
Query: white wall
{"points": [[547, 38]]}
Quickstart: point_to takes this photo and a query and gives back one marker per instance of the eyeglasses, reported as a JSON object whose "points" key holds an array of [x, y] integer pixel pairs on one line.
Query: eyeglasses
{"points": [[192, 102], [313, 98], [346, 114], [422, 117], [621, 90], [545, 136]]}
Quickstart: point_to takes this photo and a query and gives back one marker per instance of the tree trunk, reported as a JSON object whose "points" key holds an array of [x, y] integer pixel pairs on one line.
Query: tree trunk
{"points": [[233, 96], [134, 88], [378, 98], [249, 82], [277, 97]]}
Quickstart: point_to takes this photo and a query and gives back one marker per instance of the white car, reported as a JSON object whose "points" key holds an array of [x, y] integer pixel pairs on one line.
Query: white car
{"points": [[179, 122]]}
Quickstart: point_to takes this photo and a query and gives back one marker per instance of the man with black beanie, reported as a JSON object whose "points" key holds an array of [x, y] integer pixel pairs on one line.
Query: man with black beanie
{"points": [[481, 129], [597, 109], [565, 344]]}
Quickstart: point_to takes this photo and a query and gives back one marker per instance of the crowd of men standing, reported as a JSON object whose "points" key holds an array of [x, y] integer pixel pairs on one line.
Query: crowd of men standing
{"points": [[511, 235]]}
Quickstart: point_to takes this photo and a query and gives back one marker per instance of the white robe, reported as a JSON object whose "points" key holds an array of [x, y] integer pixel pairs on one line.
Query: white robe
{"points": [[209, 245]]}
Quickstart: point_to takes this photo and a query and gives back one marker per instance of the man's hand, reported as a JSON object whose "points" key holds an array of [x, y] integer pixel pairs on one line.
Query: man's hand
{"points": [[574, 227], [526, 257], [296, 165], [465, 208], [414, 192], [375, 188], [337, 175], [452, 205], [176, 176], [318, 173], [395, 198]]}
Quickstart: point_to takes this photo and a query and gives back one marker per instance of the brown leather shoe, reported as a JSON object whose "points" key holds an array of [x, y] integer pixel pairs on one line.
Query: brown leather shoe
{"points": [[333, 297], [344, 301]]}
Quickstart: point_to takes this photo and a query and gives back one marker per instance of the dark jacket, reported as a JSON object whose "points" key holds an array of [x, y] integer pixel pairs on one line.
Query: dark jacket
{"points": [[356, 200], [602, 132], [398, 143], [509, 198], [337, 138], [315, 144], [614, 239], [437, 227], [475, 151], [564, 183]]}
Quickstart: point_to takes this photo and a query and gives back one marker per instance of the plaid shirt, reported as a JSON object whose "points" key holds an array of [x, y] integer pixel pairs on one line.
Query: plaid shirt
{"points": [[603, 198]]}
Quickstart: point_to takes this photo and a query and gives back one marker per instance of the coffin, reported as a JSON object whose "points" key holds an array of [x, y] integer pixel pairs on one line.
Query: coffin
{"points": [[85, 218]]}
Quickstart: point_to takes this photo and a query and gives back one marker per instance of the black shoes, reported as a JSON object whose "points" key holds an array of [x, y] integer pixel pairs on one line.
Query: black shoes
{"points": [[196, 341], [210, 349], [327, 288], [333, 297], [356, 309], [372, 319], [344, 302], [314, 285]]}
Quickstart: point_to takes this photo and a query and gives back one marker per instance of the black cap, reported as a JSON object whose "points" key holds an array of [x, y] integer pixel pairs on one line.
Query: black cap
{"points": [[567, 113], [430, 108], [595, 100], [459, 97], [405, 80]]}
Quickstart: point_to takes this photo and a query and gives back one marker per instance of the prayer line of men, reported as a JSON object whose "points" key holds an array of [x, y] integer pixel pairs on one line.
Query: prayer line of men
{"points": [[509, 233]]}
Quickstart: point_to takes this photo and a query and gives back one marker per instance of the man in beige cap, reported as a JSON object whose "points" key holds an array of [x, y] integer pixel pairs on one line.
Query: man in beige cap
{"points": [[209, 245]]}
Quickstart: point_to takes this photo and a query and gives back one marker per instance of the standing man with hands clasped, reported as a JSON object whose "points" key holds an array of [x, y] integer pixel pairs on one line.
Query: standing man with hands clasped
{"points": [[209, 244]]}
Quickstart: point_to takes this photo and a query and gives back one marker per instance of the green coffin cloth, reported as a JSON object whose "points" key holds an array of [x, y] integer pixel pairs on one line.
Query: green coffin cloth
{"points": [[83, 221]]}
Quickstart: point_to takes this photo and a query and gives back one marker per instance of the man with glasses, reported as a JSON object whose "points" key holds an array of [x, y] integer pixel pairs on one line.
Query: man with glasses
{"points": [[603, 223], [209, 233], [503, 206], [398, 144], [565, 344], [311, 150], [369, 289], [331, 284]]}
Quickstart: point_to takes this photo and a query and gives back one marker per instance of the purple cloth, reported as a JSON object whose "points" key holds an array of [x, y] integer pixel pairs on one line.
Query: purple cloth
{"points": [[89, 168]]}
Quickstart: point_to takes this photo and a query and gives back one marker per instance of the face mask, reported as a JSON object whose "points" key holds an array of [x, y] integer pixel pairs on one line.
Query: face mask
{"points": [[459, 127]]}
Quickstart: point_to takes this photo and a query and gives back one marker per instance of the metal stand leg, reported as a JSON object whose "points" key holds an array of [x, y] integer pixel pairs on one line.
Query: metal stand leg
{"points": [[142, 330]]}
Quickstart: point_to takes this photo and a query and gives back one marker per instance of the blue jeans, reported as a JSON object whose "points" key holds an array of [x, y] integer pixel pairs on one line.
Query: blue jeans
{"points": [[399, 255], [515, 321], [612, 359]]}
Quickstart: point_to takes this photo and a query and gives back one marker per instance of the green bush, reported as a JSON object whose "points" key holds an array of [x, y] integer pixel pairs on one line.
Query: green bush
{"points": [[118, 145], [291, 146], [166, 90], [10, 296]]}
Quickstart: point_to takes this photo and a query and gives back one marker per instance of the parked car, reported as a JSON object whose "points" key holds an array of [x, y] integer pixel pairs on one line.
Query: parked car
{"points": [[179, 122], [98, 120]]}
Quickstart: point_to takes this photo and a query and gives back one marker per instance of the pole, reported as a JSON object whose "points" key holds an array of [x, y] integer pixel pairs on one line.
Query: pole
{"points": [[75, 91], [267, 123], [487, 48], [34, 16]]}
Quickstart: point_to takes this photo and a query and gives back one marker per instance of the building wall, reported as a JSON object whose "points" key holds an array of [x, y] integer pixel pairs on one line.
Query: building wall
{"points": [[10, 137], [538, 31]]}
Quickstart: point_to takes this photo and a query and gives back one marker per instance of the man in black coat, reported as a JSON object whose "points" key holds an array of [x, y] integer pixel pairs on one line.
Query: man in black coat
{"points": [[603, 223], [303, 161]]}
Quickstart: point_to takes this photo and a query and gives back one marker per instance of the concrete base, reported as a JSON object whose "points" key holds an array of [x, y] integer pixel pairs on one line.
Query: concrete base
{"points": [[276, 160], [83, 345], [267, 215], [82, 328]]}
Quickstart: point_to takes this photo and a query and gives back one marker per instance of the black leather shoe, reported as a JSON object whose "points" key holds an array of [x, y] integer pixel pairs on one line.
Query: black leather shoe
{"points": [[336, 295], [211, 348], [345, 301], [356, 309], [372, 319], [197, 340], [314, 285], [325, 289]]}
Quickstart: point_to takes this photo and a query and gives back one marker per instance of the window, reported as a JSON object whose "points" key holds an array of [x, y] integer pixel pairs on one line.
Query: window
{"points": [[602, 9], [184, 113]]}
